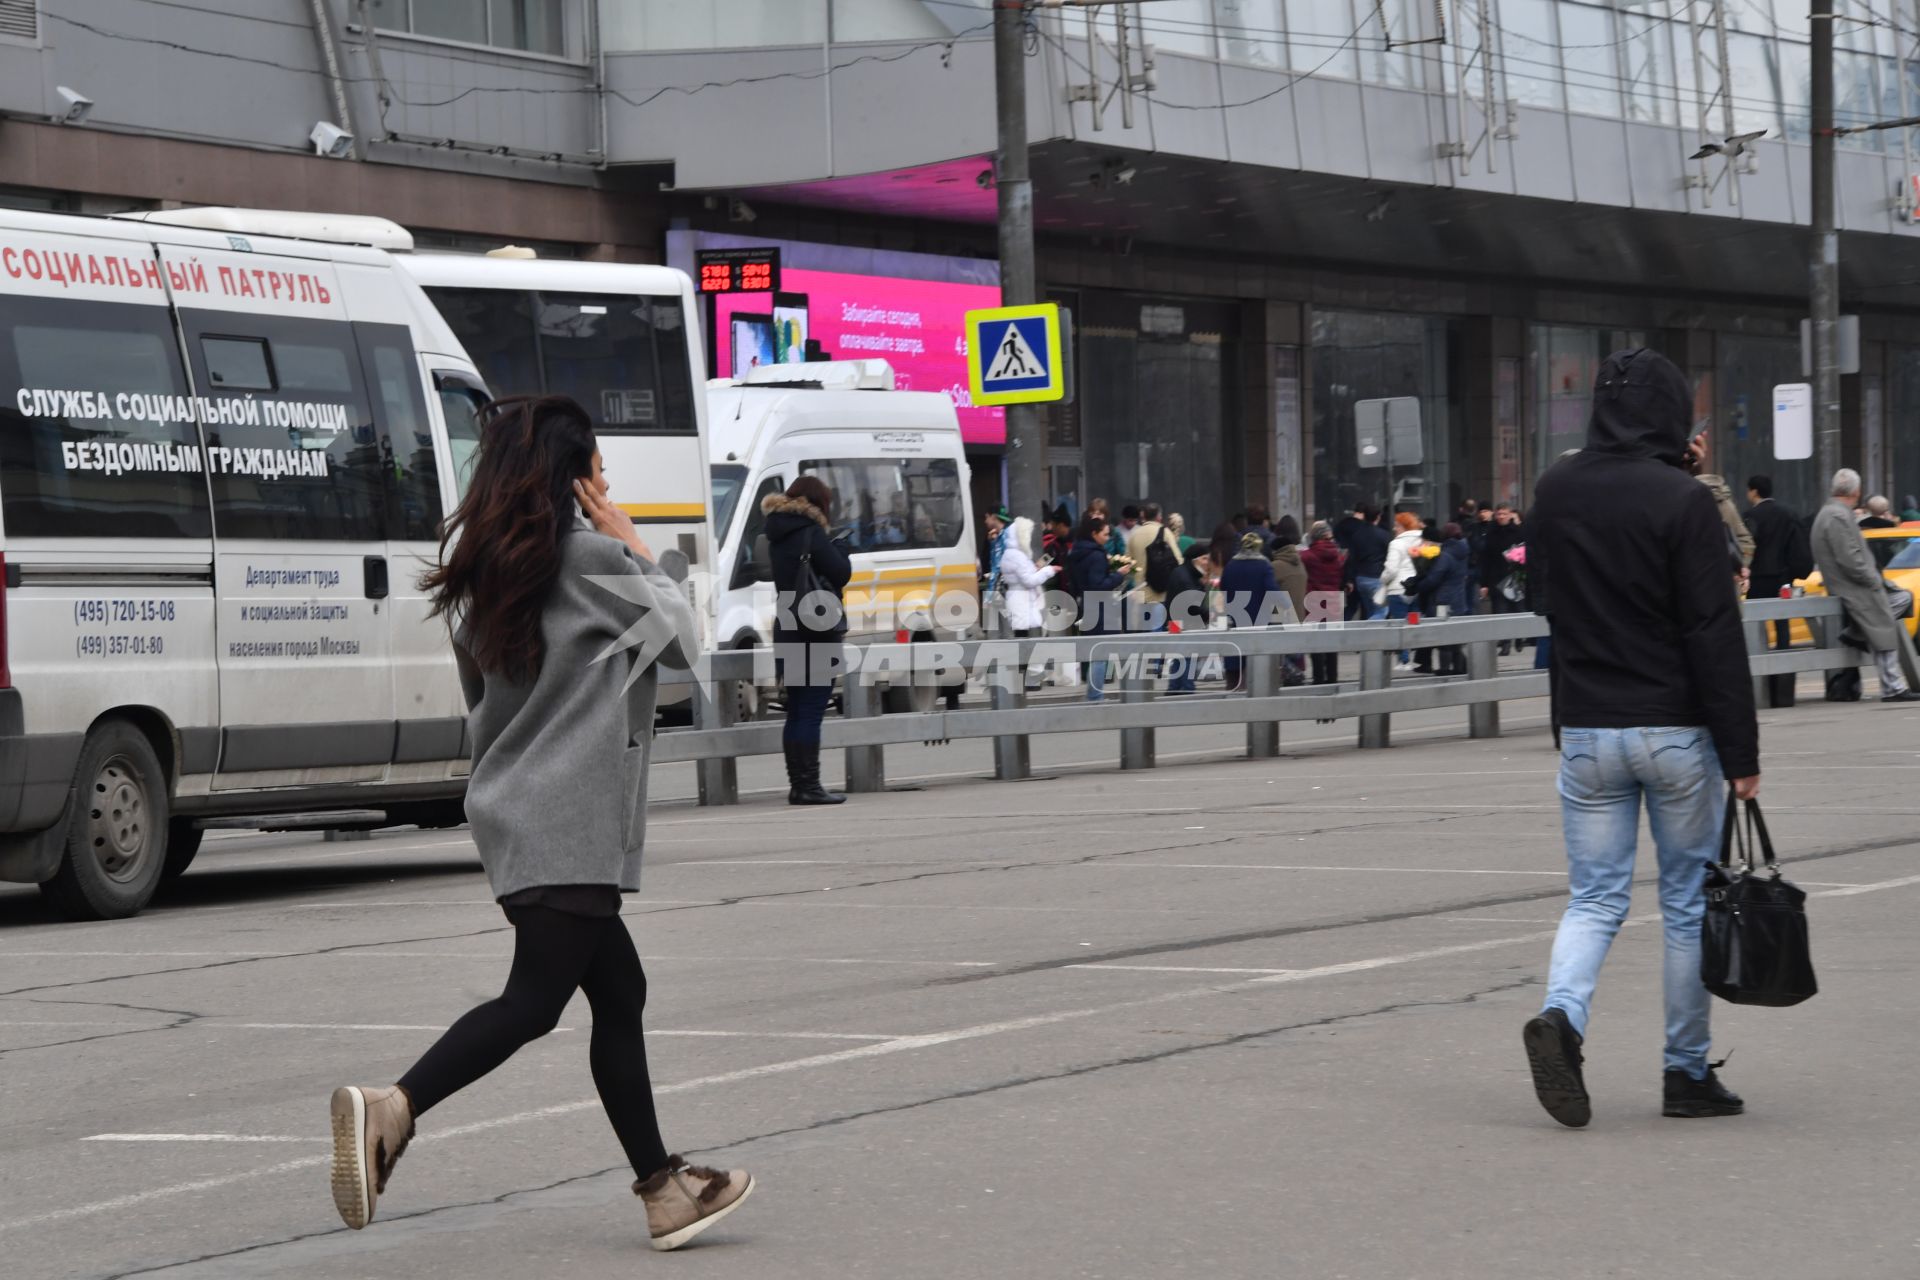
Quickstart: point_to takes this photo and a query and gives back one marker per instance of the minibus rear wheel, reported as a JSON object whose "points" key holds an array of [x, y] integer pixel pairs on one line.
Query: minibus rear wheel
{"points": [[116, 830]]}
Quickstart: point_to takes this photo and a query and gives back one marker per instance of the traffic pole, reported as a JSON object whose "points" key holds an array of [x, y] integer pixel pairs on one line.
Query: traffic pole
{"points": [[1026, 450], [1823, 264]]}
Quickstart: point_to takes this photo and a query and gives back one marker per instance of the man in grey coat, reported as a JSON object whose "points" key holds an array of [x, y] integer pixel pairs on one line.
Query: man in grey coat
{"points": [[1850, 575]]}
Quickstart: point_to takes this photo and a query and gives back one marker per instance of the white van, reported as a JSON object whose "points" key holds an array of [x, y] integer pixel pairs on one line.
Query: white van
{"points": [[223, 466], [900, 479]]}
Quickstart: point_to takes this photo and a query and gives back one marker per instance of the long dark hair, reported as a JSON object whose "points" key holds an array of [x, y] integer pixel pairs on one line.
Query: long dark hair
{"points": [[500, 549]]}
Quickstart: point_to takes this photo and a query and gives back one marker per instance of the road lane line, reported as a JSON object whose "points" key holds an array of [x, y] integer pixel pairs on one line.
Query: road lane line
{"points": [[197, 1137], [1875, 887], [881, 1049], [1266, 866], [1168, 968]]}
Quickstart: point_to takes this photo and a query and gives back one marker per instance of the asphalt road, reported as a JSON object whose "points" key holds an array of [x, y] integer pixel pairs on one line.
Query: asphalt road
{"points": [[1229, 1018]]}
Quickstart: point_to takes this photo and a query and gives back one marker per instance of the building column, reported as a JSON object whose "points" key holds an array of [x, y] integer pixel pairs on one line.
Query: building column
{"points": [[1274, 382]]}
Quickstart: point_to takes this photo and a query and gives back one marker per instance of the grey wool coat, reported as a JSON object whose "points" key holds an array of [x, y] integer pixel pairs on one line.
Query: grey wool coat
{"points": [[1848, 572], [558, 794]]}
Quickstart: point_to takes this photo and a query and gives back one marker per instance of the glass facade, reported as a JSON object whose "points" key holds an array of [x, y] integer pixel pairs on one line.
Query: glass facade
{"points": [[1157, 389], [1624, 58], [1749, 369], [1367, 355]]}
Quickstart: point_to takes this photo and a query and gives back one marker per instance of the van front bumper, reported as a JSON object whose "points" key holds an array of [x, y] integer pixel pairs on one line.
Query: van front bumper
{"points": [[36, 775]]}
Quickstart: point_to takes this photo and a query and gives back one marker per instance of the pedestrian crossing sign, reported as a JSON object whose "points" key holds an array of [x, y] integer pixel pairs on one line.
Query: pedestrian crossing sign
{"points": [[1013, 355]]}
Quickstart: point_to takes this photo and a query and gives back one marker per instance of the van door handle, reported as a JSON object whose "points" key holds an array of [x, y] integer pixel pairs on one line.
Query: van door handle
{"points": [[376, 577]]}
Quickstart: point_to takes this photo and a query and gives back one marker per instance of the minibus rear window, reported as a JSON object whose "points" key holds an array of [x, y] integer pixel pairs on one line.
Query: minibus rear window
{"points": [[97, 438], [624, 357]]}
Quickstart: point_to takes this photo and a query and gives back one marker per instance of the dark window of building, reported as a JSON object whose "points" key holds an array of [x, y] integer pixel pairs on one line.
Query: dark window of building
{"points": [[536, 26], [121, 461]]}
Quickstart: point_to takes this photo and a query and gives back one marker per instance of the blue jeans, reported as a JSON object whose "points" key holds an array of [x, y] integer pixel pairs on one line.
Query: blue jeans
{"points": [[1363, 589], [1097, 680], [1398, 607], [1604, 773]]}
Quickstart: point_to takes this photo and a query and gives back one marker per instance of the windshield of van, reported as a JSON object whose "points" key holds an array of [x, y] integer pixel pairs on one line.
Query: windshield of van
{"points": [[727, 484], [894, 504]]}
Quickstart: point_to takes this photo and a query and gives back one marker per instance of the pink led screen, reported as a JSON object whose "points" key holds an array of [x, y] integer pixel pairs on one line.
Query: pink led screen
{"points": [[917, 326]]}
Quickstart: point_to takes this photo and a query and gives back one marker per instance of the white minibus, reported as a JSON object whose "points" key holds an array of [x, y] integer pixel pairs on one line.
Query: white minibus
{"points": [[223, 467], [899, 476]]}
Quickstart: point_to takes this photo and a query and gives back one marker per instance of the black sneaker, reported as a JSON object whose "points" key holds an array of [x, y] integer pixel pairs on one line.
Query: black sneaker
{"points": [[1553, 1052], [1905, 695], [1688, 1098]]}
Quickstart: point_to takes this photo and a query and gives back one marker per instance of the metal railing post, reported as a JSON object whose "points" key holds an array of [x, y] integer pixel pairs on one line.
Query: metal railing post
{"points": [[1136, 745], [714, 707], [1483, 663], [1006, 691], [1376, 672], [1261, 672], [866, 766], [1757, 644]]}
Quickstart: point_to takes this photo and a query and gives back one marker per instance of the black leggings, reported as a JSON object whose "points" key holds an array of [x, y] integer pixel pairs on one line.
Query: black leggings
{"points": [[554, 953]]}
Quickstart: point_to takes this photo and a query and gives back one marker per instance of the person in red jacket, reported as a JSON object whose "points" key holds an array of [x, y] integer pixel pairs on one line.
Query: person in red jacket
{"points": [[1326, 565]]}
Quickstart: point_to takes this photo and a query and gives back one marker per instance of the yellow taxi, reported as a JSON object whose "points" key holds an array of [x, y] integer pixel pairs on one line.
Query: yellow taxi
{"points": [[1897, 550]]}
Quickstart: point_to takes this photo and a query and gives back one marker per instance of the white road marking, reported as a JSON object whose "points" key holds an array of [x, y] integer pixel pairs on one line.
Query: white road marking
{"points": [[881, 1049], [195, 1137], [1269, 866], [1169, 968], [1875, 887]]}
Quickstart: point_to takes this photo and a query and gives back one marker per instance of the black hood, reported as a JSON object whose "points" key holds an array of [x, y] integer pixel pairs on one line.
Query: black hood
{"points": [[1642, 407]]}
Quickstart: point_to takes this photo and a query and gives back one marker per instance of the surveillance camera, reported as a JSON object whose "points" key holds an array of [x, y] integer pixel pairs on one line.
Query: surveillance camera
{"points": [[77, 106], [984, 179], [740, 211], [330, 140], [1123, 176]]}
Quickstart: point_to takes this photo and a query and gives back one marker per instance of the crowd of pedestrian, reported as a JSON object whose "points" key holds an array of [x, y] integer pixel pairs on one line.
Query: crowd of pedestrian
{"points": [[1143, 572]]}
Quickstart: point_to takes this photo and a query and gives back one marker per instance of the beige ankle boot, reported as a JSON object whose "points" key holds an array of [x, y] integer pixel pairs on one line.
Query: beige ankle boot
{"points": [[683, 1200], [371, 1127]]}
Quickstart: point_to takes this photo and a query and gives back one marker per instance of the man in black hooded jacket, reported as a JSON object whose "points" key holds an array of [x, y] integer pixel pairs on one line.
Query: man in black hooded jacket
{"points": [[1654, 701]]}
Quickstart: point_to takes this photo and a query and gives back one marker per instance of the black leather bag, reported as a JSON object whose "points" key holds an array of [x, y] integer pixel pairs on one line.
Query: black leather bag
{"points": [[1754, 947]]}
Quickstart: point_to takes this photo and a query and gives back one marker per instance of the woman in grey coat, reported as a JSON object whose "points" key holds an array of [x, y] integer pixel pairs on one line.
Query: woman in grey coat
{"points": [[561, 620]]}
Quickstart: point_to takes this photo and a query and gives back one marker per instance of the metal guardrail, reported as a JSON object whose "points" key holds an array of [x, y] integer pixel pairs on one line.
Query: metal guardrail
{"points": [[1135, 708]]}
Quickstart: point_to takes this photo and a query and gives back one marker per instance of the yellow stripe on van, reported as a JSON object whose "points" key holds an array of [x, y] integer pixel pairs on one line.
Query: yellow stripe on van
{"points": [[663, 511]]}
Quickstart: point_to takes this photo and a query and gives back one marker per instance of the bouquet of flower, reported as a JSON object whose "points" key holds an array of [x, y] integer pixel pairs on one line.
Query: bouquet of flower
{"points": [[1515, 586]]}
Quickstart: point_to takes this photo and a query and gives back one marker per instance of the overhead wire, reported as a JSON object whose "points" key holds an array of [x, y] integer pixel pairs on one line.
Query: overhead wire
{"points": [[1554, 72], [964, 36]]}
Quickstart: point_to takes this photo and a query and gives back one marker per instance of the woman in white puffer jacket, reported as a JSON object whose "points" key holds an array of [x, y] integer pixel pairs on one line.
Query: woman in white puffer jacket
{"points": [[1024, 581]]}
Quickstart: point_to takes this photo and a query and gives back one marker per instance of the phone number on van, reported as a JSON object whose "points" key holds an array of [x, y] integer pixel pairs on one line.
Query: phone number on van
{"points": [[112, 611], [107, 646]]}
